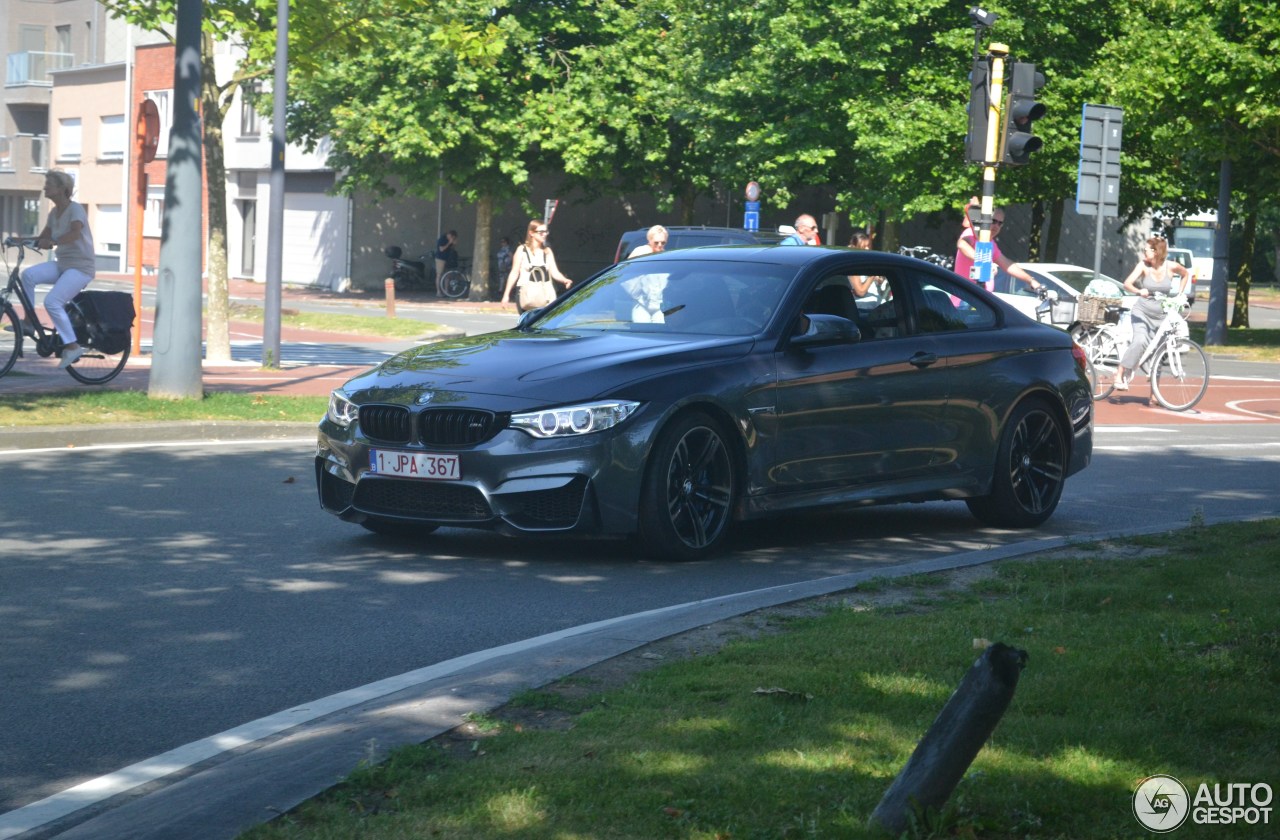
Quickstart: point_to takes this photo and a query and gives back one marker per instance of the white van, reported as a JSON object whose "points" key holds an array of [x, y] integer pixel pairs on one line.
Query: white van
{"points": [[1184, 258]]}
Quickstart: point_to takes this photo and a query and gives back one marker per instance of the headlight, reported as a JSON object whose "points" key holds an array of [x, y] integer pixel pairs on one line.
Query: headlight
{"points": [[573, 419], [342, 410]]}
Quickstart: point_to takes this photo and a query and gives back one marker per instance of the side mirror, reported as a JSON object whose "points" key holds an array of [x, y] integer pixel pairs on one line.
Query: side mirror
{"points": [[826, 329]]}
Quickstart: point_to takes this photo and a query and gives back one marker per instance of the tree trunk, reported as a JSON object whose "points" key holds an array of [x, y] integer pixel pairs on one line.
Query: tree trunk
{"points": [[481, 249], [1055, 232], [217, 330], [1244, 276], [688, 198], [1034, 249]]}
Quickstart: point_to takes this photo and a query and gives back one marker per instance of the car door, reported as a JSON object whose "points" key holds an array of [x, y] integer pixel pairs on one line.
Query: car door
{"points": [[858, 412], [973, 351]]}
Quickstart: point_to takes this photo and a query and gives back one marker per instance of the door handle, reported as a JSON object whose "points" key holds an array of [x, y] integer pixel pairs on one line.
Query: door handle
{"points": [[923, 359]]}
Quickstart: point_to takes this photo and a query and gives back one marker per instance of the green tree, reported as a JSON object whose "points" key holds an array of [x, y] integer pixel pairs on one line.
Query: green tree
{"points": [[1199, 83], [461, 93], [224, 20]]}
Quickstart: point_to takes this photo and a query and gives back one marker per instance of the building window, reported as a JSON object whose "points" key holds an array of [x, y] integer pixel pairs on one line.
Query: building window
{"points": [[164, 106], [69, 139], [111, 137], [154, 215], [248, 236], [108, 236], [250, 123]]}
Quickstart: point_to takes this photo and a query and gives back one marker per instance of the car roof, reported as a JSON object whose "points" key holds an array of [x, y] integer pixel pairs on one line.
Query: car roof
{"points": [[792, 255]]}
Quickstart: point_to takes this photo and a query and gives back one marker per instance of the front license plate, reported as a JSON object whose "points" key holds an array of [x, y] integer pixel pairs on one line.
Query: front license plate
{"points": [[414, 465]]}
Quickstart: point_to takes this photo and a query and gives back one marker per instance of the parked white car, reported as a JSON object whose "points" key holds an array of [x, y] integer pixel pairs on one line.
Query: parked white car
{"points": [[1069, 281]]}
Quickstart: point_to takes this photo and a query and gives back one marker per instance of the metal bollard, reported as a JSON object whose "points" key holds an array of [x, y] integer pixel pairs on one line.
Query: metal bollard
{"points": [[391, 297]]}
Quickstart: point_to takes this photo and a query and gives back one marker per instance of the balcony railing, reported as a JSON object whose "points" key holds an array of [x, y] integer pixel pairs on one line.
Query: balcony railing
{"points": [[33, 68]]}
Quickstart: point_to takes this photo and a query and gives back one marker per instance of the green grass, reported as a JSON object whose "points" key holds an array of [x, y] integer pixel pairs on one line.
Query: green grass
{"points": [[66, 408], [369, 325], [1153, 655], [1254, 345]]}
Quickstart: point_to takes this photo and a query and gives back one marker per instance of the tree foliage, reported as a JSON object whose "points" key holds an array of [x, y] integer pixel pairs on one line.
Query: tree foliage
{"points": [[865, 98]]}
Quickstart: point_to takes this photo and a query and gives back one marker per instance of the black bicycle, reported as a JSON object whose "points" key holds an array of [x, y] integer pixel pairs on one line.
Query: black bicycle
{"points": [[103, 322], [924, 252]]}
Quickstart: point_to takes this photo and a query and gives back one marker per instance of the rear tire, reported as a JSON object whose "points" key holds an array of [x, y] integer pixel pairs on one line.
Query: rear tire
{"points": [[454, 284], [10, 339], [689, 489], [96, 367], [1030, 470]]}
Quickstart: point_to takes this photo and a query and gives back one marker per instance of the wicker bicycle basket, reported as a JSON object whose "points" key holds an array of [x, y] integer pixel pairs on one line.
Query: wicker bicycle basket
{"points": [[1092, 309]]}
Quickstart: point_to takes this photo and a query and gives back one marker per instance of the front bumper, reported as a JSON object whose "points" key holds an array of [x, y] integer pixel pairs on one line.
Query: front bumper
{"points": [[510, 484]]}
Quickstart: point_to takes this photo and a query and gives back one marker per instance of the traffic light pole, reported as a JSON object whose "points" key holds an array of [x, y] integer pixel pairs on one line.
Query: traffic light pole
{"points": [[983, 247]]}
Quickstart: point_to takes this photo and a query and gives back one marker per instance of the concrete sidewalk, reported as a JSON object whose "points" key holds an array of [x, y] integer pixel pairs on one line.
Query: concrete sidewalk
{"points": [[33, 374]]}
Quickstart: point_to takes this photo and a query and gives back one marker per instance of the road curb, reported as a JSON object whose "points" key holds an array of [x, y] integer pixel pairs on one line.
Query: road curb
{"points": [[69, 437]]}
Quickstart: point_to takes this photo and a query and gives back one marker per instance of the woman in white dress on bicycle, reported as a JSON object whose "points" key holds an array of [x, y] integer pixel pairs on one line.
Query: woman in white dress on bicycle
{"points": [[1155, 274]]}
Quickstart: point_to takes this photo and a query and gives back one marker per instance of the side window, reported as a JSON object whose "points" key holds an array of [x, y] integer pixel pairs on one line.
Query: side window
{"points": [[869, 300], [941, 306]]}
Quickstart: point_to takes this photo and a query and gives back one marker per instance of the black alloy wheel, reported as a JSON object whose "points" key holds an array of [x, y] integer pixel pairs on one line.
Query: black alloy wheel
{"points": [[1030, 470], [686, 503]]}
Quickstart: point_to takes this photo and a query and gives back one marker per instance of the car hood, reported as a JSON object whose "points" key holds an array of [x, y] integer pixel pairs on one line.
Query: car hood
{"points": [[539, 367]]}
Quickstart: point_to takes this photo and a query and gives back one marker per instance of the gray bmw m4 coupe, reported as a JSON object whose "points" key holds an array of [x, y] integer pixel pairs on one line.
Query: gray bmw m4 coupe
{"points": [[669, 397]]}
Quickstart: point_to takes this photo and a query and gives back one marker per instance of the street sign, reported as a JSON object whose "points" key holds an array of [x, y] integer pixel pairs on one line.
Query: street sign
{"points": [[751, 215], [1098, 183], [981, 272]]}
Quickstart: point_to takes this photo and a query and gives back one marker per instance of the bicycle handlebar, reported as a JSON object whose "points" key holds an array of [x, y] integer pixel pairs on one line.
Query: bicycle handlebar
{"points": [[22, 242]]}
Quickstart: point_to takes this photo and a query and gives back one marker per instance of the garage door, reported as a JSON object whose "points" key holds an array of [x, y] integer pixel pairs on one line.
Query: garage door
{"points": [[315, 239]]}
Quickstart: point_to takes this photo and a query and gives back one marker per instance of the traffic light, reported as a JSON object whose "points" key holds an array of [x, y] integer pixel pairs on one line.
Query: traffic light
{"points": [[975, 143], [1022, 110]]}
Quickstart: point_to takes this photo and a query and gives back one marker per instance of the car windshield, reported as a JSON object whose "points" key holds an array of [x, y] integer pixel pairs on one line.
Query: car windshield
{"points": [[710, 297]]}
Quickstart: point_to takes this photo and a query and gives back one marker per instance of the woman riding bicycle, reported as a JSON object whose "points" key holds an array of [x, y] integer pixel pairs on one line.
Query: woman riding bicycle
{"points": [[1155, 274], [74, 267]]}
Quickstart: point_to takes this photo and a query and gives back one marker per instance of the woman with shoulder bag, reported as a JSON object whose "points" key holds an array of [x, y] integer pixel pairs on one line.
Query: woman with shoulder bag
{"points": [[533, 270]]}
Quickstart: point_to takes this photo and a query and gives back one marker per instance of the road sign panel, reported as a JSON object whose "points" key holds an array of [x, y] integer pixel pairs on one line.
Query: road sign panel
{"points": [[1098, 181]]}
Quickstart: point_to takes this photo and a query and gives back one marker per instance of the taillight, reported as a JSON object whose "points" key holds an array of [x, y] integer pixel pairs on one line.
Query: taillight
{"points": [[1081, 357]]}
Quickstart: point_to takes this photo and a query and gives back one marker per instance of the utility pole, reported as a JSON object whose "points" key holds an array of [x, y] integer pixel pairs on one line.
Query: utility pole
{"points": [[176, 355], [275, 209]]}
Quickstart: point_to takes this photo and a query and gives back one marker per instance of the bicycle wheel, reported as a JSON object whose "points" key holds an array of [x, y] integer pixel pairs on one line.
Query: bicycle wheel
{"points": [[1182, 375], [96, 367], [10, 339], [1104, 353], [454, 284]]}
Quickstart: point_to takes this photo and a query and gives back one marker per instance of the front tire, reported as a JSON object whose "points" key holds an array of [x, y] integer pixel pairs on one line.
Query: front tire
{"points": [[1182, 375], [690, 485], [1030, 471]]}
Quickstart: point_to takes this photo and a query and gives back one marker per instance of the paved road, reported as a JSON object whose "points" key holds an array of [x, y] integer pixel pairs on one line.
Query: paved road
{"points": [[155, 597]]}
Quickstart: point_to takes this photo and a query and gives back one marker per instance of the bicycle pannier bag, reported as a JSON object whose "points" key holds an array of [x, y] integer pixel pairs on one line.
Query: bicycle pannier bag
{"points": [[107, 320]]}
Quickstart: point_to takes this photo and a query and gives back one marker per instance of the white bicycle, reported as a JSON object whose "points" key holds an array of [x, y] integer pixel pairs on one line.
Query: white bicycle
{"points": [[1177, 367]]}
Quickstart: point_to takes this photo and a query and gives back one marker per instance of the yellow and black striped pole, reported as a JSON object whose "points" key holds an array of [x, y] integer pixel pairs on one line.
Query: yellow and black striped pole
{"points": [[982, 262]]}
